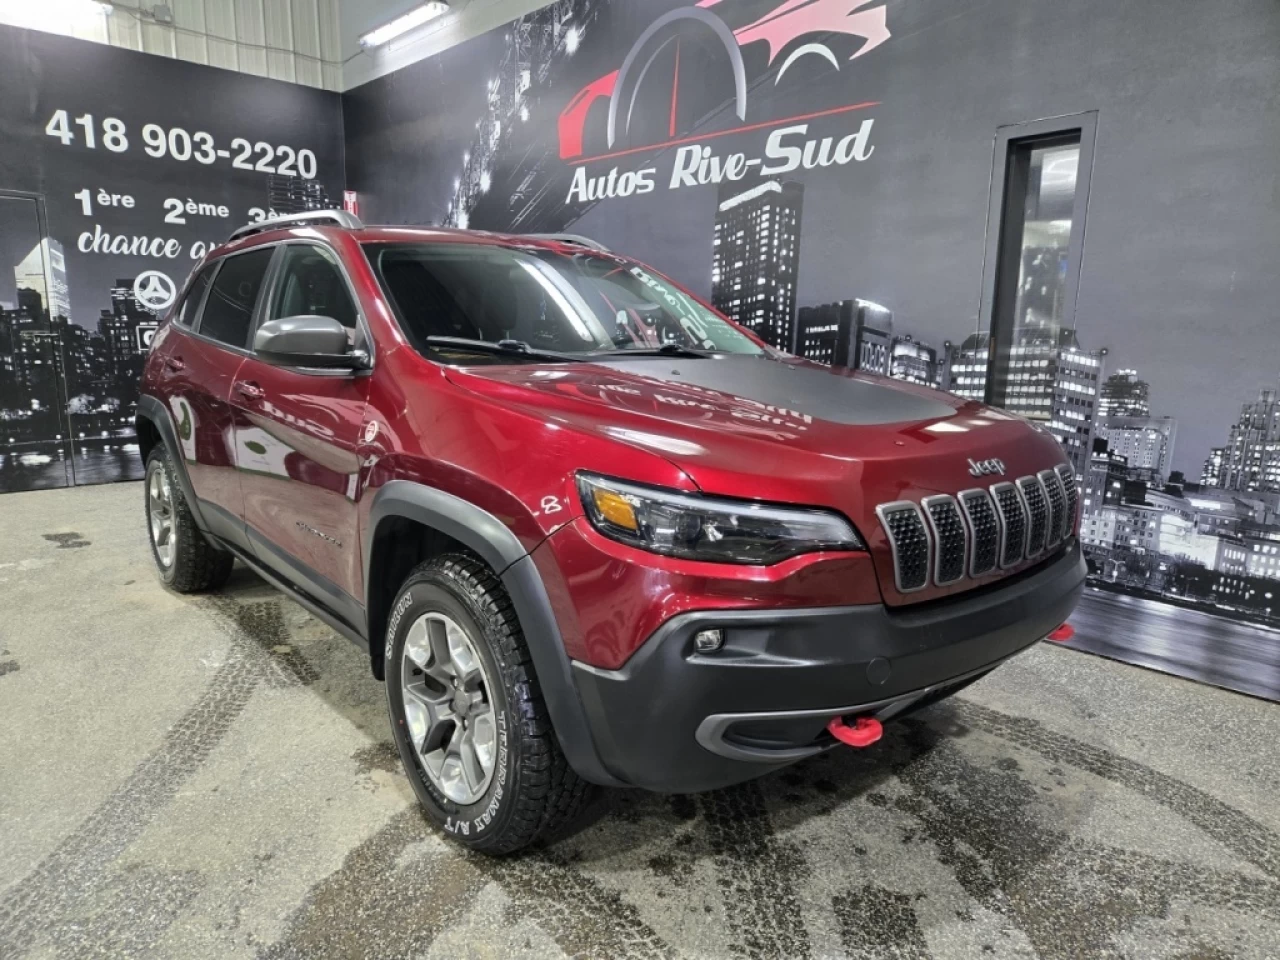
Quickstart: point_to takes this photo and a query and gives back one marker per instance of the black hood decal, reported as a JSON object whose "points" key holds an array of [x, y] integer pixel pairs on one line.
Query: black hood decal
{"points": [[809, 390]]}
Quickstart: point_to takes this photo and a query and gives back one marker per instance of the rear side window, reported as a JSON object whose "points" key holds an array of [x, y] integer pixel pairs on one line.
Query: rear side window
{"points": [[186, 312], [228, 312]]}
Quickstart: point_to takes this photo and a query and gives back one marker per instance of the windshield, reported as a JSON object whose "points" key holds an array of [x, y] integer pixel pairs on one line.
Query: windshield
{"points": [[579, 303]]}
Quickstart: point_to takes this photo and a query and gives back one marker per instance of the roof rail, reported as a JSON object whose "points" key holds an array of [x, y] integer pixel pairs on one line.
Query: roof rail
{"points": [[573, 238], [337, 217]]}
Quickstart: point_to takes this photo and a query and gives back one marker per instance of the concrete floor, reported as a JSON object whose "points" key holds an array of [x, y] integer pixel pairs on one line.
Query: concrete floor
{"points": [[213, 777]]}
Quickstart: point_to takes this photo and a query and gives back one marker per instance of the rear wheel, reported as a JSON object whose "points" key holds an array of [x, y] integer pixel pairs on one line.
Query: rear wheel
{"points": [[466, 712], [185, 559]]}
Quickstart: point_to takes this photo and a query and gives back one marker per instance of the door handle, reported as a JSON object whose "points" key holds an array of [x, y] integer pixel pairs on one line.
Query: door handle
{"points": [[250, 391], [174, 363]]}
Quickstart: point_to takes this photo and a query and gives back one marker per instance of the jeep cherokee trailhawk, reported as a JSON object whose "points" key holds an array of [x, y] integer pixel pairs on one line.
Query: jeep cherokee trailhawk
{"points": [[588, 530]]}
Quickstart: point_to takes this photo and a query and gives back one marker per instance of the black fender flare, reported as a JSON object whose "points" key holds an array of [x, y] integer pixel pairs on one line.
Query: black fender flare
{"points": [[491, 539], [156, 413]]}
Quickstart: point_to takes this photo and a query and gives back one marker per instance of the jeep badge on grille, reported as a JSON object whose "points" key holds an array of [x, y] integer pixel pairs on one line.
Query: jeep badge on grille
{"points": [[982, 468]]}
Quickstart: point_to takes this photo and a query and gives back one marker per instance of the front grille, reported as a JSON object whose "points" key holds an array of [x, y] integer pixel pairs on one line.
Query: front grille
{"points": [[1068, 478], [909, 542], [1037, 512], [984, 527], [1013, 522], [1057, 506], [951, 537], [977, 531]]}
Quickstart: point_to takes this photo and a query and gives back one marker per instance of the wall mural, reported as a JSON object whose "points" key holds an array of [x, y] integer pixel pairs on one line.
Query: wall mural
{"points": [[120, 170], [820, 169]]}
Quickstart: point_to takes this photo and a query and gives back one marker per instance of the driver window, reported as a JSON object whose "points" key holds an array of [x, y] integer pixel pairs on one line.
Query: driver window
{"points": [[311, 283]]}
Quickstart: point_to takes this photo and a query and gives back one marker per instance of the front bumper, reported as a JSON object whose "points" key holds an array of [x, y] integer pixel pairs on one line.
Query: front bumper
{"points": [[676, 721]]}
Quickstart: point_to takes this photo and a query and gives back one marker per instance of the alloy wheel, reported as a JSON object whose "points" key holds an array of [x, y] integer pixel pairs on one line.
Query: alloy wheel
{"points": [[448, 707], [160, 515]]}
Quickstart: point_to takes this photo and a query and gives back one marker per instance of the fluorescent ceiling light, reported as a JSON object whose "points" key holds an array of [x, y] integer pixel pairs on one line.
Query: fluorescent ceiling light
{"points": [[54, 15], [403, 24]]}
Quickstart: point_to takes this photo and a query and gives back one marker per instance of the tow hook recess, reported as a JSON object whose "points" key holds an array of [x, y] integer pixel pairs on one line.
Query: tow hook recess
{"points": [[1062, 634], [864, 732]]}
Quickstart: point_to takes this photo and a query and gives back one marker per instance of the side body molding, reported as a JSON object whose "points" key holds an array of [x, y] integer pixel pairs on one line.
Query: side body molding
{"points": [[487, 536]]}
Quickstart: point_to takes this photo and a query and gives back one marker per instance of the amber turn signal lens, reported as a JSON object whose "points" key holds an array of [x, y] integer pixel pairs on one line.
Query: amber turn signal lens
{"points": [[615, 508]]}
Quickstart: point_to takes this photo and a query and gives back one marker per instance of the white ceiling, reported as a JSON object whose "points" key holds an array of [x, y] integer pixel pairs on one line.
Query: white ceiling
{"points": [[313, 42], [294, 40]]}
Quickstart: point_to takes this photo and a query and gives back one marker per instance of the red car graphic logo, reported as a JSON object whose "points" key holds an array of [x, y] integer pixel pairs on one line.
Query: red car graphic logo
{"points": [[786, 22]]}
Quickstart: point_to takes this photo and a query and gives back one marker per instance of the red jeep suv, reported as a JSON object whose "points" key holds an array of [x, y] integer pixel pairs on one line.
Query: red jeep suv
{"points": [[588, 530]]}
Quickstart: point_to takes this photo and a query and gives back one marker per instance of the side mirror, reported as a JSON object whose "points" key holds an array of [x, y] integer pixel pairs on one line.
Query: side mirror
{"points": [[307, 341]]}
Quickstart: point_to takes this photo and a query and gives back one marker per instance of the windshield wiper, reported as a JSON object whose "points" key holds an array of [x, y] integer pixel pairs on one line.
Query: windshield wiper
{"points": [[665, 350], [510, 348]]}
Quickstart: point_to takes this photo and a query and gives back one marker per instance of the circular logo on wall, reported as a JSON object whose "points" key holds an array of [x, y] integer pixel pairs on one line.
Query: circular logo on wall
{"points": [[154, 290]]}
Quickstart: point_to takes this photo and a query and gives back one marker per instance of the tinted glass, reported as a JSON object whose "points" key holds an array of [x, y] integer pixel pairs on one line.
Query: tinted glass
{"points": [[580, 302], [186, 312], [229, 309], [1049, 208], [311, 283], [1031, 287]]}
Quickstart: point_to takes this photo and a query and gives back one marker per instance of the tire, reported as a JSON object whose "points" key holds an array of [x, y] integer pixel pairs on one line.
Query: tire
{"points": [[531, 792], [186, 561]]}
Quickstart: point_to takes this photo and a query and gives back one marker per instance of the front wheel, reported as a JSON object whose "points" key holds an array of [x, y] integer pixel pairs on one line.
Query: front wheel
{"points": [[466, 712]]}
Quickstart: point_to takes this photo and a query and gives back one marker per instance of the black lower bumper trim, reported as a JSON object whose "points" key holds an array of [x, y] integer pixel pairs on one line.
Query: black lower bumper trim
{"points": [[677, 721], [721, 732]]}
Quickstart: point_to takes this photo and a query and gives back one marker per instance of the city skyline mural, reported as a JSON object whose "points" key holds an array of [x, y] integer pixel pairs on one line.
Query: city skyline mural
{"points": [[818, 172], [119, 184]]}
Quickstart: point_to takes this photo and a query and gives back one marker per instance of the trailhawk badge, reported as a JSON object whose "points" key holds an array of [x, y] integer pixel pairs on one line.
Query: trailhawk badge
{"points": [[985, 468]]}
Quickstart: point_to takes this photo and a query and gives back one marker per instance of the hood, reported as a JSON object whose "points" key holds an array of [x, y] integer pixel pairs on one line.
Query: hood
{"points": [[785, 431], [789, 404], [779, 429]]}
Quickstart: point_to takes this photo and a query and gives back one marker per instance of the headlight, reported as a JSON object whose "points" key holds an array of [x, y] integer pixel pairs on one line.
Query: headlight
{"points": [[703, 528]]}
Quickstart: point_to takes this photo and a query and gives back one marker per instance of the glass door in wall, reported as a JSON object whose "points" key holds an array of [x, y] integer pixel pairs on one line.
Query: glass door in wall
{"points": [[1032, 287], [1036, 364], [35, 448]]}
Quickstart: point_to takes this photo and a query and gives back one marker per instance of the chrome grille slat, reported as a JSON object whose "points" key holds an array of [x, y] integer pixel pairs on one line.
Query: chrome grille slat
{"points": [[1068, 478], [942, 539], [1013, 524], [1057, 498], [984, 531], [950, 537], [1037, 504], [909, 543]]}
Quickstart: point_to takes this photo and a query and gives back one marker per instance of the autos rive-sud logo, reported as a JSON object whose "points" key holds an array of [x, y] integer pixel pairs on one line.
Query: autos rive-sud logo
{"points": [[155, 290], [718, 32]]}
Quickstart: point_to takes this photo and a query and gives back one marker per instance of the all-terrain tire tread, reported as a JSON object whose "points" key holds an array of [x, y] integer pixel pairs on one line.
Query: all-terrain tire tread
{"points": [[551, 794]]}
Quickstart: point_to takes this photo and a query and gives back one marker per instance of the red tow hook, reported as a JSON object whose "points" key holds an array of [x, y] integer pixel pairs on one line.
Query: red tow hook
{"points": [[864, 732], [1062, 634]]}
